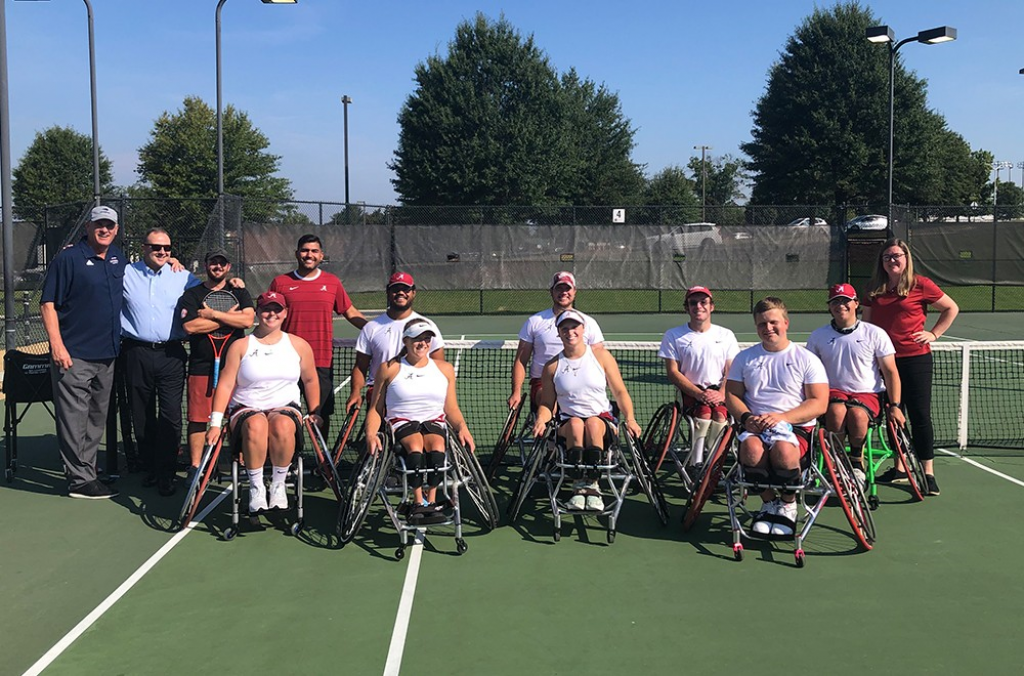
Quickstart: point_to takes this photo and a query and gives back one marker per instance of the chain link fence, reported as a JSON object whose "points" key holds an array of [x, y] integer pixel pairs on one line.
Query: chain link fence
{"points": [[493, 260]]}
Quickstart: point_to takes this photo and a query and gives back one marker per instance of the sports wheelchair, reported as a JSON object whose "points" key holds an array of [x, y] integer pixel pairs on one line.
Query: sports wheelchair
{"points": [[818, 482], [208, 469], [508, 438], [669, 435], [384, 475], [893, 442], [621, 464]]}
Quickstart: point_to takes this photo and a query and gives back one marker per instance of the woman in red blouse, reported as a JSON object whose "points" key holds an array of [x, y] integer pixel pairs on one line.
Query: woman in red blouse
{"points": [[898, 301]]}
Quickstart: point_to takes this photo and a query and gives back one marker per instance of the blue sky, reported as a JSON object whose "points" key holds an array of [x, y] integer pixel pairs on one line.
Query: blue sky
{"points": [[688, 72]]}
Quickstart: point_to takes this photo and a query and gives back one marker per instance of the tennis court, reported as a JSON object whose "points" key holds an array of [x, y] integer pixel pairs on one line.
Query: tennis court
{"points": [[940, 593]]}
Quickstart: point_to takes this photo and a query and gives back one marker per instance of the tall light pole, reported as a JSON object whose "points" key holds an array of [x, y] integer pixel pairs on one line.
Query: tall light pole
{"points": [[1020, 165], [220, 115], [345, 100], [10, 329], [995, 186], [884, 34], [703, 181]]}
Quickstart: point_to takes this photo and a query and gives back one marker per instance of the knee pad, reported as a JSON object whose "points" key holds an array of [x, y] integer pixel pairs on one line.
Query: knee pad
{"points": [[701, 427], [574, 455], [414, 463], [435, 459], [756, 475], [592, 455], [784, 477]]}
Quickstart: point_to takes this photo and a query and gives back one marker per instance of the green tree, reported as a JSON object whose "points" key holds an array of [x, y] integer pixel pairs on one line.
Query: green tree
{"points": [[56, 169], [491, 123], [180, 159], [725, 176], [821, 127]]}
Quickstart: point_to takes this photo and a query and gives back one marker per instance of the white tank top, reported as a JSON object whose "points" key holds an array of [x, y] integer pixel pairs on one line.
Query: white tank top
{"points": [[268, 376], [580, 386], [416, 393]]}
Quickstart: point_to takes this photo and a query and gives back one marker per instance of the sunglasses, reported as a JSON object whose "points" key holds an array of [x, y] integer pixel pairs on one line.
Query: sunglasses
{"points": [[158, 247]]}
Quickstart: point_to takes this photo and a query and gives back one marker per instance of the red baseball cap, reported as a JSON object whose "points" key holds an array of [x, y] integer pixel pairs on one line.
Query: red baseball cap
{"points": [[563, 277], [695, 290], [842, 291], [401, 278], [271, 298]]}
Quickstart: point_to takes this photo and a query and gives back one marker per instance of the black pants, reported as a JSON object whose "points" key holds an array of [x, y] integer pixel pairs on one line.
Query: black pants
{"points": [[155, 377], [916, 380]]}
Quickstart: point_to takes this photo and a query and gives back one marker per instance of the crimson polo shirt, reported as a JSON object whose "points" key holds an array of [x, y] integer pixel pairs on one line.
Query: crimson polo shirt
{"points": [[87, 291], [902, 317], [312, 304]]}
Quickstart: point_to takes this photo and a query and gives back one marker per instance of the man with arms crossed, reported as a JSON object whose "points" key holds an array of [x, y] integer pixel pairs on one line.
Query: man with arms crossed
{"points": [[539, 341], [697, 358], [776, 389], [314, 297], [81, 310], [860, 362], [199, 321], [381, 338]]}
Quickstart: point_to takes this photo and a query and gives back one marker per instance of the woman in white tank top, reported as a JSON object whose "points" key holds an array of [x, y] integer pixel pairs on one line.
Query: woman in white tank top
{"points": [[416, 396], [577, 379], [261, 381]]}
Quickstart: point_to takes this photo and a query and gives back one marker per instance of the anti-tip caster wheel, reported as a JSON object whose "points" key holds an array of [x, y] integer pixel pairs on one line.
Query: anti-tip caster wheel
{"points": [[799, 556], [611, 536], [461, 546], [737, 551], [873, 502], [557, 534], [296, 528], [230, 534], [400, 553]]}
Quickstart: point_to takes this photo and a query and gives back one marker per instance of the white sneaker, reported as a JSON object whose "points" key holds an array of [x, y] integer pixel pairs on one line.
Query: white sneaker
{"points": [[595, 503], [763, 526], [278, 496], [861, 478], [577, 502], [787, 511], [257, 498]]}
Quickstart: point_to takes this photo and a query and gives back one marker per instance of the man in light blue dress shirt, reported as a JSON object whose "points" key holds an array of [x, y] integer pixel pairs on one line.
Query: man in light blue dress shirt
{"points": [[154, 357]]}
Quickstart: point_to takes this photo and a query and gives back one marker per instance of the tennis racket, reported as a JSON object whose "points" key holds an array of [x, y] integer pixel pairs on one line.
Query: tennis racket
{"points": [[221, 301]]}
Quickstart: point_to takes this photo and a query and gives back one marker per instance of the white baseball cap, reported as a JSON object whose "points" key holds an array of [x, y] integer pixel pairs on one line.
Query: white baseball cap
{"points": [[103, 214]]}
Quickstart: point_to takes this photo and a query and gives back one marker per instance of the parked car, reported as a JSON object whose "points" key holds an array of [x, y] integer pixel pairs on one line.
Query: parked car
{"points": [[867, 223], [688, 236], [806, 222]]}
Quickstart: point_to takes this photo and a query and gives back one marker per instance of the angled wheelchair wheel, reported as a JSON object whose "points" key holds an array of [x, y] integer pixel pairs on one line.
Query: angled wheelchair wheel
{"points": [[848, 490], [508, 433], [344, 434], [538, 454], [645, 477], [659, 433], [904, 449], [197, 487], [474, 482], [363, 488], [708, 479], [325, 464]]}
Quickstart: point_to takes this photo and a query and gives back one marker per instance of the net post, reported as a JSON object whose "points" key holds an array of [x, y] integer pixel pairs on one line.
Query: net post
{"points": [[965, 394]]}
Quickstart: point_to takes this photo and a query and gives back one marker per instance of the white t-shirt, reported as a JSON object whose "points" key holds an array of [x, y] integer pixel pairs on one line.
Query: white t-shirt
{"points": [[540, 331], [381, 339], [774, 381], [581, 386], [416, 393], [268, 375], [851, 359], [701, 356]]}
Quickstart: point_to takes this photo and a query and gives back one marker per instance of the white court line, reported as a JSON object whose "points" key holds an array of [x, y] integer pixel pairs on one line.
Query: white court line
{"points": [[90, 619], [398, 634], [958, 338], [343, 384], [977, 464]]}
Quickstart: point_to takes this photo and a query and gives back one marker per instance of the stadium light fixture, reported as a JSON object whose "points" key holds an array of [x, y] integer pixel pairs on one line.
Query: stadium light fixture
{"points": [[220, 115], [885, 35]]}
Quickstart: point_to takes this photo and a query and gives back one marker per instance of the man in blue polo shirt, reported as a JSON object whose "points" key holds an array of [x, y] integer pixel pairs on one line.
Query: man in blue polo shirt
{"points": [[81, 307], [154, 357]]}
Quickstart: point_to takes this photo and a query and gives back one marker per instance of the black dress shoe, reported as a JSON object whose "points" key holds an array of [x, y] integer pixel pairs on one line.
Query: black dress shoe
{"points": [[149, 480], [165, 486]]}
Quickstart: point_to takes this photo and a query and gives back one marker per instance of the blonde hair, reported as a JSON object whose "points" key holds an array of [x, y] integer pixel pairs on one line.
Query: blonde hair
{"points": [[771, 303], [880, 278]]}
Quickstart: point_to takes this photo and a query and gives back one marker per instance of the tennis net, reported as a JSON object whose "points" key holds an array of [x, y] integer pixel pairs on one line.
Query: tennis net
{"points": [[977, 390]]}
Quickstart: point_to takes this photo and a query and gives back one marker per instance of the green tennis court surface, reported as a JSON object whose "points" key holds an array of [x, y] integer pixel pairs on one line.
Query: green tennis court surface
{"points": [[940, 593]]}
